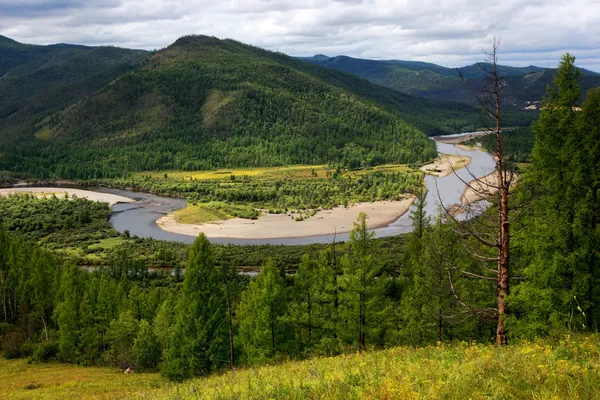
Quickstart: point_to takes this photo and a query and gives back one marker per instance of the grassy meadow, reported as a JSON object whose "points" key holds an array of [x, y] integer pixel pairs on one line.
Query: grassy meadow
{"points": [[228, 193], [283, 172], [566, 368]]}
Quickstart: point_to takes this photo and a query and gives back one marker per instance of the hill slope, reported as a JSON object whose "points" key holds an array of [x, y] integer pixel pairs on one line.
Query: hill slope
{"points": [[38, 80], [204, 103], [543, 369], [434, 82]]}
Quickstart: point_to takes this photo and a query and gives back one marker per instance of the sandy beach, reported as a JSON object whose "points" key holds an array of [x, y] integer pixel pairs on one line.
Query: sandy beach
{"points": [[479, 189], [271, 226], [111, 199], [445, 164]]}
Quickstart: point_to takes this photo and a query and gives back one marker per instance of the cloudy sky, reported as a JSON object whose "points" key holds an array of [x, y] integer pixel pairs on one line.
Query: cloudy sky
{"points": [[450, 33]]}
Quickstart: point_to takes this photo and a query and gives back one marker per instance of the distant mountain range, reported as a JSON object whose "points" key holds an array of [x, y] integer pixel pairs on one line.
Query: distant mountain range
{"points": [[525, 85]]}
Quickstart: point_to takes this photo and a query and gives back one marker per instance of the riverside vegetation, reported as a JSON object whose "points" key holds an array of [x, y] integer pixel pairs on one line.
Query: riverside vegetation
{"points": [[341, 298]]}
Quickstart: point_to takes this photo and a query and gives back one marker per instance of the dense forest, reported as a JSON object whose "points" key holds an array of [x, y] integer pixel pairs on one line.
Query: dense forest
{"points": [[517, 144], [36, 81], [204, 103]]}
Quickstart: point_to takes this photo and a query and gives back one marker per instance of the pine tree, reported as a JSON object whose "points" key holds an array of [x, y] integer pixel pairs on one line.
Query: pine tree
{"points": [[263, 331], [359, 289], [560, 240], [67, 316], [146, 348], [199, 340]]}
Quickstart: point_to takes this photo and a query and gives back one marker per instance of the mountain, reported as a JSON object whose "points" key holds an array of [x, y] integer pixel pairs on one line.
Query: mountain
{"points": [[38, 80], [204, 103], [525, 85]]}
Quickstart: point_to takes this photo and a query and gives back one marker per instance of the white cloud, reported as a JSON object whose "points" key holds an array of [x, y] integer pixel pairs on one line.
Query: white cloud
{"points": [[448, 33]]}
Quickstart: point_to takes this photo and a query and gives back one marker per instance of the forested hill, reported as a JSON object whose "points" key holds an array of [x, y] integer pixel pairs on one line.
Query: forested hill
{"points": [[38, 80], [204, 103], [435, 82]]}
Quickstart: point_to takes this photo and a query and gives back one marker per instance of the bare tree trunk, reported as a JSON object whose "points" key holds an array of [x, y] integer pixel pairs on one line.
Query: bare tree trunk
{"points": [[503, 210], [491, 102]]}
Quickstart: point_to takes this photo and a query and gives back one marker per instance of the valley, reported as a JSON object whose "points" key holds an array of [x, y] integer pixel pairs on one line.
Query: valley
{"points": [[215, 220]]}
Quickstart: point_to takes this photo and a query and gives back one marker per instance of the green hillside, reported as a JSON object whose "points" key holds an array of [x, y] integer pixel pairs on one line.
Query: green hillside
{"points": [[204, 103], [38, 80], [435, 82], [544, 369]]}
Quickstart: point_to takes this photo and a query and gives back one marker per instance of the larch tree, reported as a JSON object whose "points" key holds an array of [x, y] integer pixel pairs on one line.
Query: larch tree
{"points": [[263, 328], [561, 239], [198, 342]]}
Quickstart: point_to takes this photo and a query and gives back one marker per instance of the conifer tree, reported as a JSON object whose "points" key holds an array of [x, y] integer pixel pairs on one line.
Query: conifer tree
{"points": [[263, 330], [358, 284], [146, 348], [199, 339], [67, 316]]}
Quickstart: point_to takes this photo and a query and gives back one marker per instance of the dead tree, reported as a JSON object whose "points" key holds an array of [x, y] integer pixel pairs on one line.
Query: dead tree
{"points": [[490, 232]]}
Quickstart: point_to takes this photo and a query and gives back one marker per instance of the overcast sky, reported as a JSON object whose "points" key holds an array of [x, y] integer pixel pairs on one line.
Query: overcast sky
{"points": [[450, 33]]}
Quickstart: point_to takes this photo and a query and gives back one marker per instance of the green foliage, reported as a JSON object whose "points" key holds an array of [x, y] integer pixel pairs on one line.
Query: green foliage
{"points": [[198, 342], [517, 144], [146, 348], [263, 330], [203, 103], [35, 217], [120, 337], [560, 239]]}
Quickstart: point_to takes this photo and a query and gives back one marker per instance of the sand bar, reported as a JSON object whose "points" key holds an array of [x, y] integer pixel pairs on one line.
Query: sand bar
{"points": [[483, 188], [111, 199], [451, 139], [445, 164], [275, 226]]}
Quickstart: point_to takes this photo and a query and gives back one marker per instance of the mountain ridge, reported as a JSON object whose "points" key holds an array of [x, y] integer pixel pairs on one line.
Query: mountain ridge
{"points": [[203, 103], [435, 82]]}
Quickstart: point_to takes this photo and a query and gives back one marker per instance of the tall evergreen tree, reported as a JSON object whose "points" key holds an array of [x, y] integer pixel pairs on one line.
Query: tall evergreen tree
{"points": [[199, 340], [560, 240], [263, 328]]}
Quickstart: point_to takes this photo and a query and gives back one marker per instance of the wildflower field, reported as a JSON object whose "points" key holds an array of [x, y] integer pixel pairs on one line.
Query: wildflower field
{"points": [[566, 368]]}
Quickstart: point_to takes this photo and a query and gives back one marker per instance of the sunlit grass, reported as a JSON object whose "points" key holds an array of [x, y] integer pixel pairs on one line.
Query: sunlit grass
{"points": [[199, 214], [107, 243], [568, 368], [20, 380], [293, 171]]}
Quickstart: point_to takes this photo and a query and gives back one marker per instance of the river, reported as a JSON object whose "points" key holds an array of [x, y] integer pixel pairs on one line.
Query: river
{"points": [[140, 217]]}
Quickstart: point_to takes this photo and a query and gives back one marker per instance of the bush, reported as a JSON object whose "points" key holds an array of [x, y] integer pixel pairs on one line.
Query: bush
{"points": [[45, 351]]}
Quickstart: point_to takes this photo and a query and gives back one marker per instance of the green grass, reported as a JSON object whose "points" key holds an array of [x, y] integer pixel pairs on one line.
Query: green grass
{"points": [[286, 172], [20, 380], [567, 368], [107, 243], [199, 214]]}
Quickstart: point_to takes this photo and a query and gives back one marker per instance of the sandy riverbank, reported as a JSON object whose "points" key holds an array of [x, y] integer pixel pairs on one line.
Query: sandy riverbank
{"points": [[446, 164], [479, 189], [111, 199], [275, 226], [482, 188], [451, 139]]}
